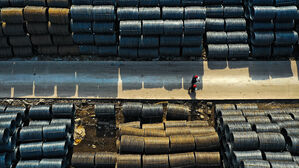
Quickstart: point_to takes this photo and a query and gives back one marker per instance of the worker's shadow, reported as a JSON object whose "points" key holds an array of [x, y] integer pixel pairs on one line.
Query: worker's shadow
{"points": [[192, 94]]}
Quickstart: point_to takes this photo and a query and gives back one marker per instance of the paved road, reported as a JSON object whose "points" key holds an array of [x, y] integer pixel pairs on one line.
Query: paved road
{"points": [[220, 80]]}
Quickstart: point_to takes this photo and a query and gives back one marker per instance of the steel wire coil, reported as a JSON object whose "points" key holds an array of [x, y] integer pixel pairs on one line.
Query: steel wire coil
{"points": [[288, 123], [31, 133], [54, 132], [81, 27], [155, 161], [37, 28], [41, 40], [176, 111], [219, 107], [149, 42], [105, 159], [129, 160], [13, 29], [170, 41], [293, 144], [232, 2], [131, 144], [197, 123], [239, 156], [87, 49], [233, 12], [129, 41], [152, 111], [106, 50], [159, 126], [215, 24], [4, 42], [173, 27], [39, 123], [261, 25], [254, 164], [12, 15], [31, 150], [128, 52], [248, 113], [58, 3], [216, 38], [286, 38], [262, 38], [130, 28], [53, 163], [6, 52], [37, 3], [192, 51], [103, 13], [5, 159], [286, 25], [216, 11], [285, 3], [236, 127], [281, 164], [67, 50], [84, 159], [128, 3], [278, 156], [290, 132], [181, 143], [156, 145], [28, 164], [4, 136], [207, 159], [148, 52], [59, 15], [12, 116], [22, 51], [149, 132], [55, 149], [9, 124], [82, 13], [35, 14], [286, 13], [152, 27], [83, 39], [172, 3], [282, 51], [266, 127], [280, 117], [244, 140], [172, 13], [104, 110], [15, 3], [10, 146], [169, 51], [145, 3], [194, 12], [235, 24], [194, 26], [47, 50], [217, 51], [66, 110], [230, 119], [149, 13], [257, 51], [262, 13], [271, 141], [20, 41], [82, 2], [40, 112], [258, 119], [68, 122], [178, 123], [192, 2], [229, 113], [107, 39], [127, 13], [100, 27], [182, 160], [207, 142], [132, 110], [261, 3]]}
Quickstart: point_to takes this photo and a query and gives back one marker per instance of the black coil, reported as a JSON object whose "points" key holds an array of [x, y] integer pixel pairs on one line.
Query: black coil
{"points": [[81, 27], [271, 141], [192, 41], [286, 38], [261, 3], [261, 25], [290, 132], [54, 132], [280, 117], [170, 40], [31, 150], [258, 52], [195, 12], [244, 140], [41, 40], [229, 113], [280, 164], [127, 13], [279, 156], [217, 51], [286, 25], [40, 112], [235, 24], [81, 2], [4, 135], [107, 50], [10, 146], [194, 27], [286, 13], [84, 159], [254, 163], [103, 13], [105, 159], [104, 110], [238, 156], [12, 116], [128, 52], [233, 11], [149, 42], [81, 12], [175, 111], [9, 124], [12, 15], [237, 37], [5, 159], [28, 164], [130, 28], [262, 38], [215, 24], [149, 13], [6, 52], [4, 42], [58, 29], [128, 2], [132, 109], [63, 110], [231, 119], [31, 133], [282, 51], [87, 49], [152, 27], [266, 127], [55, 149], [64, 121], [170, 3], [129, 41], [20, 41], [172, 13], [101, 27], [83, 38], [152, 111], [235, 127], [173, 27], [216, 37], [293, 144], [37, 28], [23, 51], [262, 12], [58, 3], [14, 109], [192, 51], [215, 11], [39, 122], [45, 163], [148, 52]]}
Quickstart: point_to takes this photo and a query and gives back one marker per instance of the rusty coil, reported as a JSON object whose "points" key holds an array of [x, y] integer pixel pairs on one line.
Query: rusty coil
{"points": [[12, 15], [149, 132], [35, 14], [133, 124], [182, 143], [258, 119], [176, 111], [131, 144], [182, 123], [131, 131], [22, 51], [155, 161], [13, 29], [152, 111], [159, 126], [59, 15], [201, 130], [207, 159], [156, 145], [207, 142], [20, 41], [197, 123], [177, 131], [47, 50], [83, 159], [41, 40], [58, 29], [68, 50], [129, 161], [182, 160], [37, 28], [105, 159], [67, 41]]}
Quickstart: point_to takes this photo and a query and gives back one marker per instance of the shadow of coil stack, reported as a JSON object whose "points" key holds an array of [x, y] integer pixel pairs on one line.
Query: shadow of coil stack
{"points": [[252, 137], [46, 139]]}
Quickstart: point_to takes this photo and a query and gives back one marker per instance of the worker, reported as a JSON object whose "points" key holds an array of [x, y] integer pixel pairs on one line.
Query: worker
{"points": [[193, 87]]}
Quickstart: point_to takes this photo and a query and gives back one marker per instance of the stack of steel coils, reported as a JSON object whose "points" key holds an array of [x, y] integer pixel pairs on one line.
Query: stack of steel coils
{"points": [[94, 27], [10, 123], [253, 137]]}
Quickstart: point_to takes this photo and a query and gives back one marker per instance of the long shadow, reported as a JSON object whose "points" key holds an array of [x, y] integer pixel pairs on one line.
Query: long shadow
{"points": [[237, 64], [281, 69], [5, 75], [23, 78], [214, 64], [258, 70]]}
